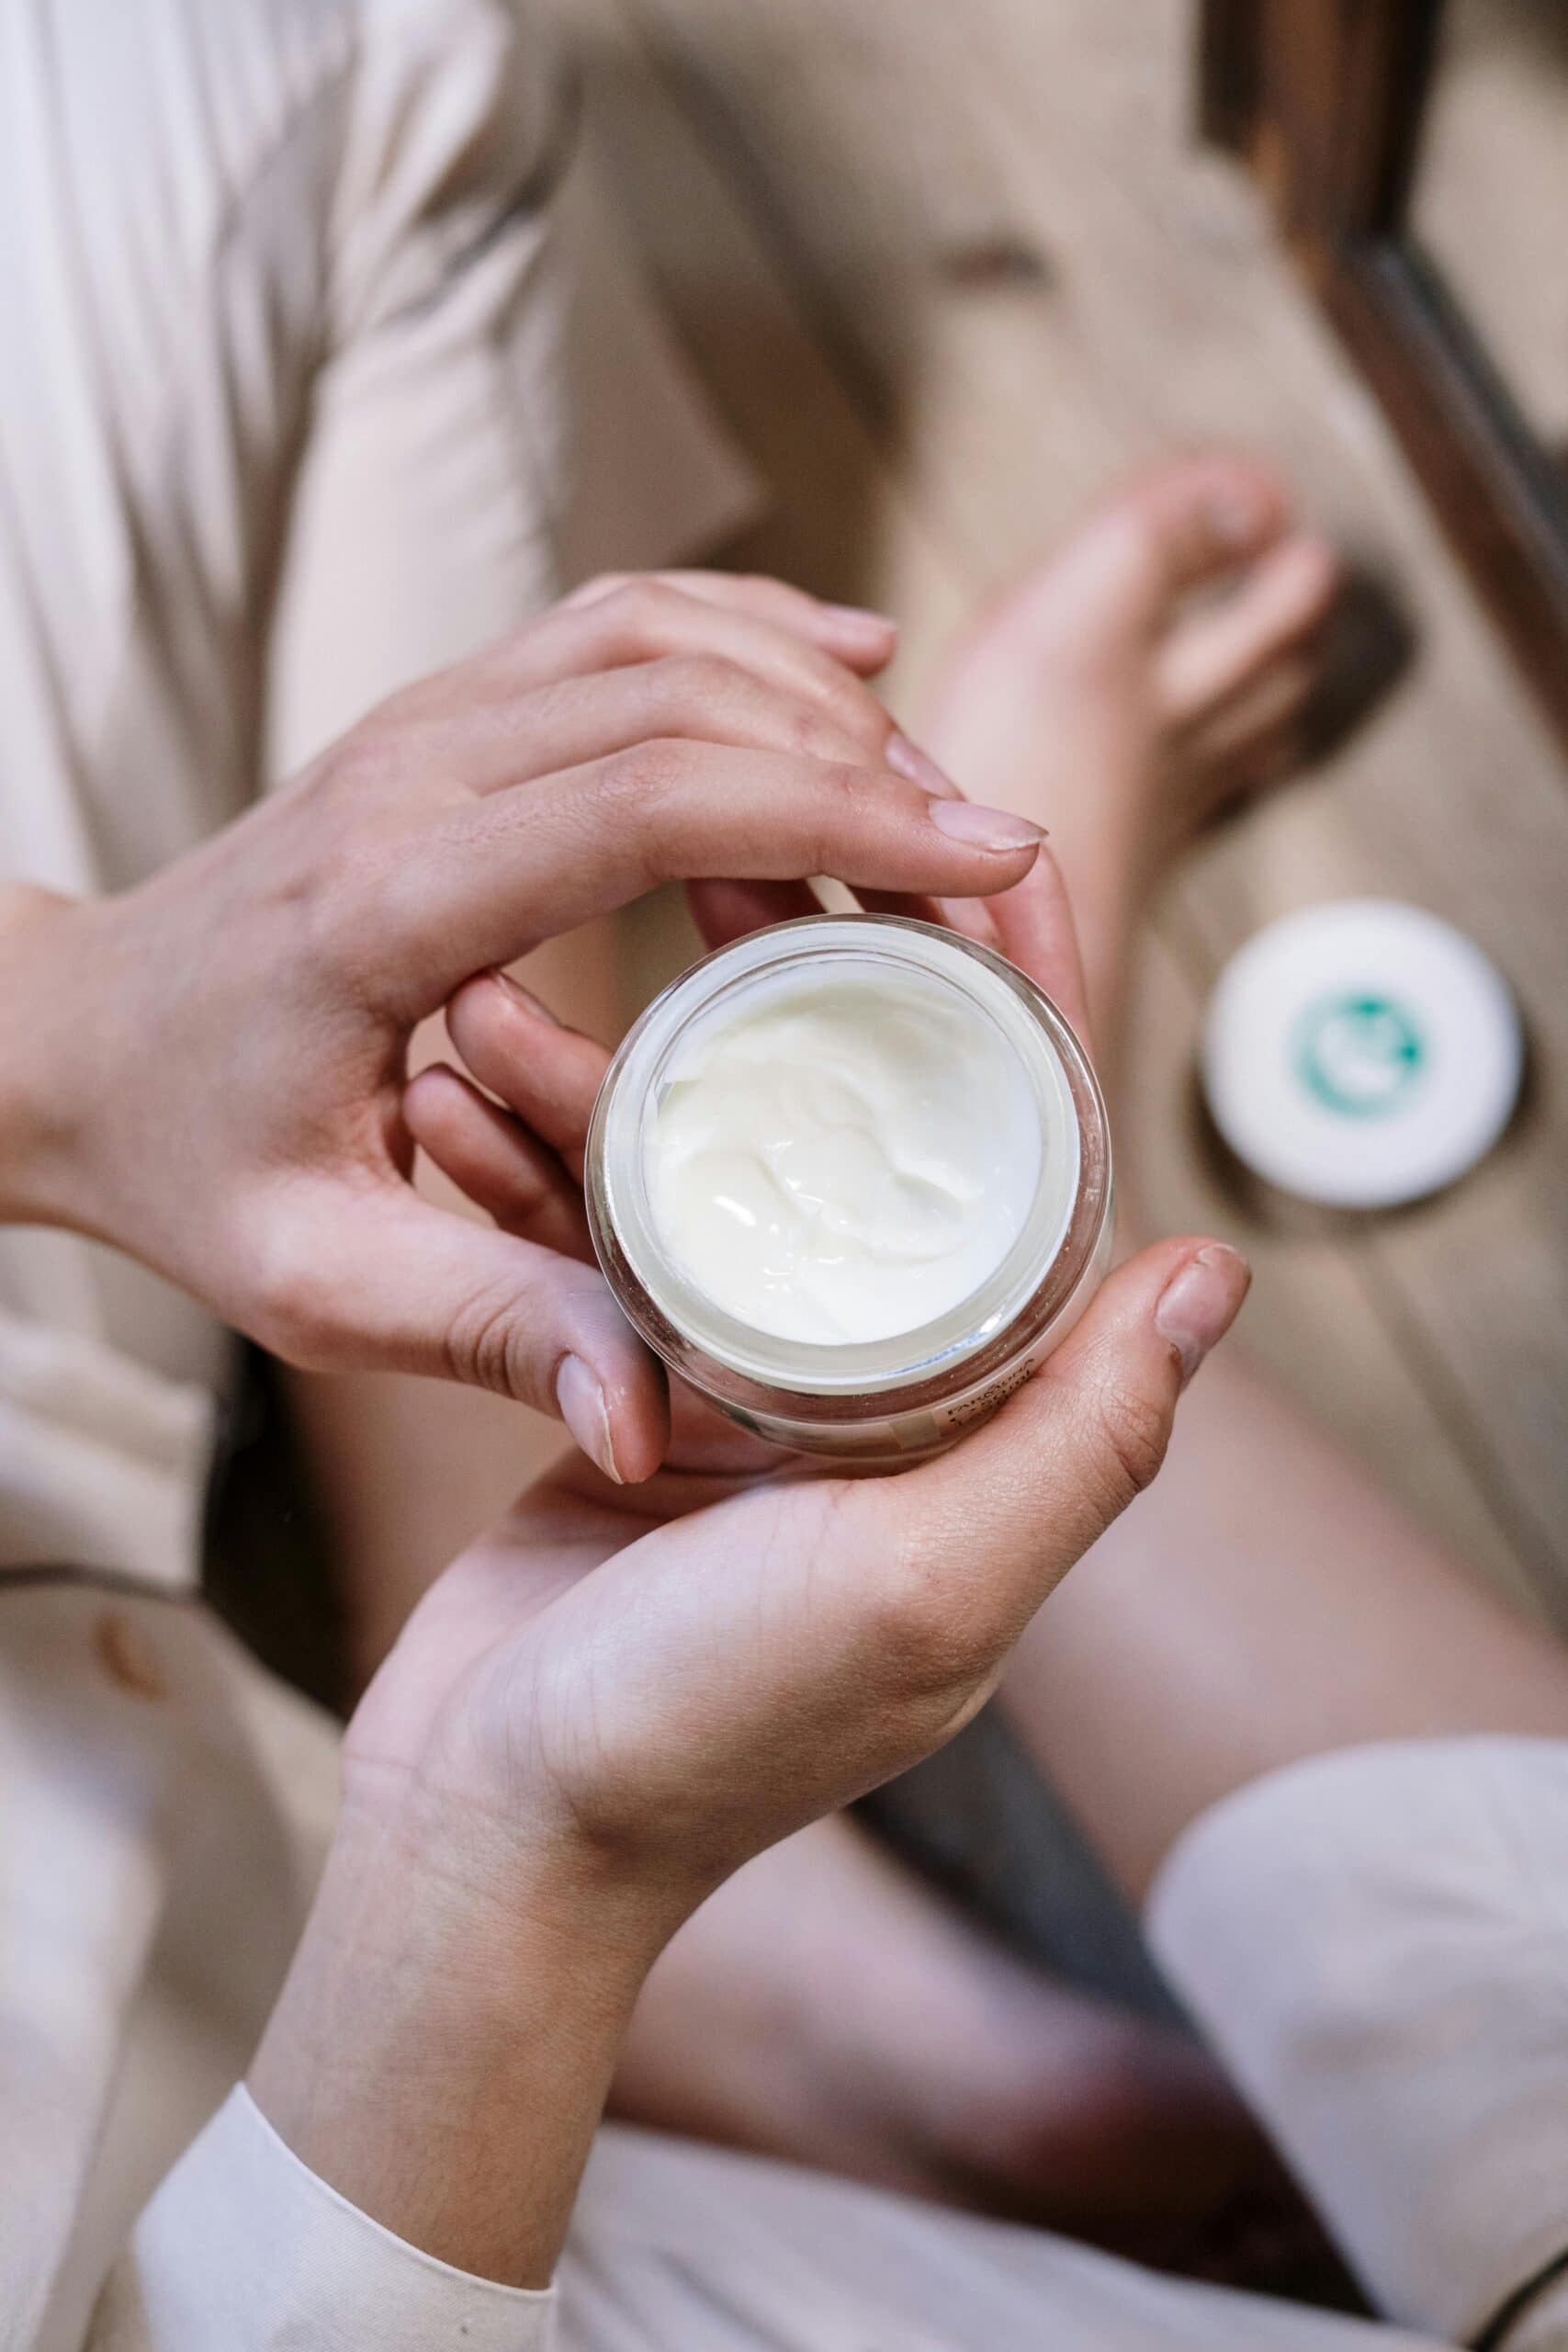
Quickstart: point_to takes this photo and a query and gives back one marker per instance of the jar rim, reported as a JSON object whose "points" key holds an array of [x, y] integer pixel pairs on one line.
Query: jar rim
{"points": [[1037, 1276]]}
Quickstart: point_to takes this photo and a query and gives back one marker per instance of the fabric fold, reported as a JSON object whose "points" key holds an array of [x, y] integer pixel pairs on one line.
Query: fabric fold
{"points": [[1376, 1942]]}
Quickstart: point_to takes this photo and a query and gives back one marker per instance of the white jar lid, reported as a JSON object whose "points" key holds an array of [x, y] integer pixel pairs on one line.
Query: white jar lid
{"points": [[1361, 1053]]}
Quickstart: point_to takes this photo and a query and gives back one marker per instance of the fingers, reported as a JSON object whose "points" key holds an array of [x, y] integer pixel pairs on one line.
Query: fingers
{"points": [[494, 876], [548, 1075], [862, 641], [1035, 930], [644, 620], [415, 1288], [491, 1156], [984, 1533], [1031, 925], [488, 743]]}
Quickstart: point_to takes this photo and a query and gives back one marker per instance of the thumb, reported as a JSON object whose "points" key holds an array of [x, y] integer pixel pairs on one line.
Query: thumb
{"points": [[1006, 1513], [411, 1287]]}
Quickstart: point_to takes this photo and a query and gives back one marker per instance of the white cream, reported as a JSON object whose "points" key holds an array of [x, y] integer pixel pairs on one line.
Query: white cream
{"points": [[844, 1157]]}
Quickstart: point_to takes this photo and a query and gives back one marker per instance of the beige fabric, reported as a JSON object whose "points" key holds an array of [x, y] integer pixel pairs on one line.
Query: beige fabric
{"points": [[678, 2248], [162, 1810], [1379, 1940], [151, 1887], [292, 329], [317, 373], [307, 2268]]}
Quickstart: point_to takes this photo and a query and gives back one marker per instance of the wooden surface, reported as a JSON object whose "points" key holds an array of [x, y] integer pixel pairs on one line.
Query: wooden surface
{"points": [[946, 272]]}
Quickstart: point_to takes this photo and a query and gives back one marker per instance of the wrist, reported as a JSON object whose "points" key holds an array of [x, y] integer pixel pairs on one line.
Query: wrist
{"points": [[46, 1089], [448, 2025]]}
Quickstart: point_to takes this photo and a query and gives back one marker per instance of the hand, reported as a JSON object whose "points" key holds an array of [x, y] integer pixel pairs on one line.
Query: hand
{"points": [[516, 1149], [612, 1702], [215, 1077], [674, 1680]]}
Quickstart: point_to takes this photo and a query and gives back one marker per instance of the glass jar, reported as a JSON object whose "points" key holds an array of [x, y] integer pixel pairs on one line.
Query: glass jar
{"points": [[884, 1400]]}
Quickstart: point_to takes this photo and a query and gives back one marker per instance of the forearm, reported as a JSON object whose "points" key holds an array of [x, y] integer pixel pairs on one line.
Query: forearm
{"points": [[45, 973], [442, 2051]]}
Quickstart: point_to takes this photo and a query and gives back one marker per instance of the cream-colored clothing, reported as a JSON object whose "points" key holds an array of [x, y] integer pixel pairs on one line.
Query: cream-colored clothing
{"points": [[1375, 1941], [295, 312], [317, 370]]}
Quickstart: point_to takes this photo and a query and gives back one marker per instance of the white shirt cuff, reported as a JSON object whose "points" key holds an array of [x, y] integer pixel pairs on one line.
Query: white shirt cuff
{"points": [[243, 2246]]}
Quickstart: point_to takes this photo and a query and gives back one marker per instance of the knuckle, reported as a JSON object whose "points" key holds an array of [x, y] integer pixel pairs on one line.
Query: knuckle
{"points": [[343, 912], [345, 904], [640, 782], [854, 790], [315, 840], [638, 612], [362, 762], [1133, 1431], [812, 735], [717, 690], [845, 799], [484, 1346], [855, 709], [704, 682]]}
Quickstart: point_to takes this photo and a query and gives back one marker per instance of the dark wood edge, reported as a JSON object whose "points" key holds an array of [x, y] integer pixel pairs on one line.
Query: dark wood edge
{"points": [[1499, 493], [1229, 83], [1378, 91], [1327, 108]]}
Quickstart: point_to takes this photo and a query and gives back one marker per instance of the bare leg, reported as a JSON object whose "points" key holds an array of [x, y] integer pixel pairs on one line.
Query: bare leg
{"points": [[1157, 670], [826, 2008], [1266, 1600], [409, 1470], [823, 2005]]}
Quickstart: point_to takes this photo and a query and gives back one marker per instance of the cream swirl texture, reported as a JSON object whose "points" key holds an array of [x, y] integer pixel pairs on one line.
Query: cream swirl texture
{"points": [[843, 1158]]}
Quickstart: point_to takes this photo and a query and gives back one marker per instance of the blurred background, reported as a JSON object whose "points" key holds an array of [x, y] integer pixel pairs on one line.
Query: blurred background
{"points": [[945, 271]]}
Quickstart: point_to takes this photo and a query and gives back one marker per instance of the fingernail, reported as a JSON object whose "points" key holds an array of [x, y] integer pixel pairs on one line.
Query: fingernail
{"points": [[582, 1407], [525, 997], [860, 619], [908, 760], [976, 828], [1199, 1305]]}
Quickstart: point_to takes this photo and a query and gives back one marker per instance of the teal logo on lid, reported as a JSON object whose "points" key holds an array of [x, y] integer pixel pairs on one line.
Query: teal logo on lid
{"points": [[1360, 1054]]}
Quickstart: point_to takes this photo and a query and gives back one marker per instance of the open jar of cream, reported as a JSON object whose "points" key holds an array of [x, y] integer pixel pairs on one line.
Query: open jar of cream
{"points": [[851, 1178]]}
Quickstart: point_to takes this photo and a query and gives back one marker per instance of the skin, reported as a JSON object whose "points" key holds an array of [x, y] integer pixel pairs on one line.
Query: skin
{"points": [[609, 1705], [1207, 1641], [598, 1715], [1153, 664], [825, 2005], [261, 1155], [1155, 1682]]}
